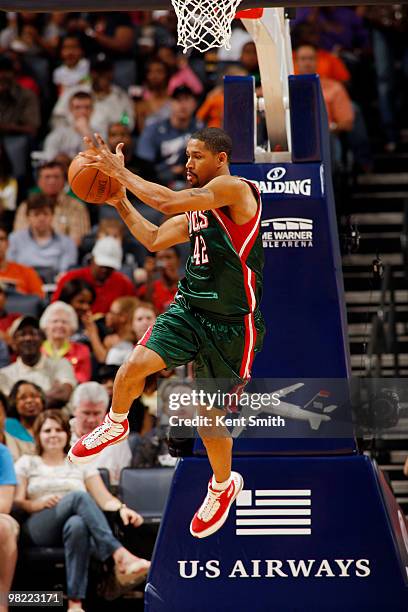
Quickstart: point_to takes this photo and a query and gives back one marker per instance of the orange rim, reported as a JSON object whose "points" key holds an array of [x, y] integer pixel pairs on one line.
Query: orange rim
{"points": [[255, 13]]}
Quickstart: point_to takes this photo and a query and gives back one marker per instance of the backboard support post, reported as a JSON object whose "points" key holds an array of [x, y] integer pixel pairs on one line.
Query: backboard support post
{"points": [[271, 36]]}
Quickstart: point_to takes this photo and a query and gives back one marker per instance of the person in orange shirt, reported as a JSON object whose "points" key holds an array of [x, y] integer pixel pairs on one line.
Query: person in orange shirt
{"points": [[211, 112], [328, 64], [23, 278], [338, 103]]}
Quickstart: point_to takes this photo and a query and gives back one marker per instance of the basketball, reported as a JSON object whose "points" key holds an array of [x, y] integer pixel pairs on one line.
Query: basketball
{"points": [[90, 184]]}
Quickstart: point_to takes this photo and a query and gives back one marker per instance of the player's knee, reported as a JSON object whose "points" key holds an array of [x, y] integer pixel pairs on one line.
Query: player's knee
{"points": [[129, 373], [214, 436], [208, 434], [140, 364]]}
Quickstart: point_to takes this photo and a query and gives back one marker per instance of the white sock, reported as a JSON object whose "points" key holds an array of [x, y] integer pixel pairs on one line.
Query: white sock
{"points": [[118, 417], [220, 486]]}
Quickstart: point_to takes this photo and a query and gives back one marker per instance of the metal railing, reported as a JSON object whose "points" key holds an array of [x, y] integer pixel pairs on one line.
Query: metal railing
{"points": [[383, 337]]}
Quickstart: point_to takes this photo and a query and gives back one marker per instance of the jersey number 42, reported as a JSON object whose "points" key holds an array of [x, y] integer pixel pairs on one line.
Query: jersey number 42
{"points": [[200, 255]]}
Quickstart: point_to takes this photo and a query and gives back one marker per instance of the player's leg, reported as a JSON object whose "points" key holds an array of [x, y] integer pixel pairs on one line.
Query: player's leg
{"points": [[129, 384], [225, 358], [172, 341], [131, 376], [224, 485], [218, 444]]}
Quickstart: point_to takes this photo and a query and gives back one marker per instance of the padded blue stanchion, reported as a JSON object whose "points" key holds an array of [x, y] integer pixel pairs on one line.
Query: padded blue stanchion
{"points": [[316, 528], [239, 109], [342, 553]]}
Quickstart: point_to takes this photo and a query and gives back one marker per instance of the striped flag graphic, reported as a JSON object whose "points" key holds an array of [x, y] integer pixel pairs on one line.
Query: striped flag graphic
{"points": [[274, 512]]}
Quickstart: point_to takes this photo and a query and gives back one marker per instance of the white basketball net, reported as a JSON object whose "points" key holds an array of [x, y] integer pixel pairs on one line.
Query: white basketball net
{"points": [[204, 24]]}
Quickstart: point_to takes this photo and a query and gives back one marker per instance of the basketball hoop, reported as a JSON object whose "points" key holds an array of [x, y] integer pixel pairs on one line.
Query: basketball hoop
{"points": [[205, 24], [255, 13]]}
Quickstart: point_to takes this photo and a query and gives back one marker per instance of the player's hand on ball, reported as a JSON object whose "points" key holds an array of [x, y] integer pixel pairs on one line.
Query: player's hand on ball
{"points": [[102, 158], [130, 517]]}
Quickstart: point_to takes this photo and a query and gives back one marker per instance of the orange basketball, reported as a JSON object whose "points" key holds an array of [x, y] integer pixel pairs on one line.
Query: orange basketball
{"points": [[90, 184]]}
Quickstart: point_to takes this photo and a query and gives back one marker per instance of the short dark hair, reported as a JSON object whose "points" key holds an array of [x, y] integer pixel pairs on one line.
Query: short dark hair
{"points": [[182, 90], [74, 36], [36, 201], [5, 228], [50, 166], [74, 287], [81, 95], [101, 65], [215, 139], [305, 43], [122, 125]]}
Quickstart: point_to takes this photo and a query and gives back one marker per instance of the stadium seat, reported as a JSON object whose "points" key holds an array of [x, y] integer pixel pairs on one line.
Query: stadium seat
{"points": [[23, 303], [40, 68], [124, 73], [104, 472], [17, 148], [47, 273], [39, 567], [146, 490]]}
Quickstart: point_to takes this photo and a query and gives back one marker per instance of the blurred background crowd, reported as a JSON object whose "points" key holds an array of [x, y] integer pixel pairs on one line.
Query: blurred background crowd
{"points": [[76, 290]]}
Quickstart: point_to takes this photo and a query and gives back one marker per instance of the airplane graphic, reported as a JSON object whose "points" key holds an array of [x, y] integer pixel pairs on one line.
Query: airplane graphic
{"points": [[292, 411]]}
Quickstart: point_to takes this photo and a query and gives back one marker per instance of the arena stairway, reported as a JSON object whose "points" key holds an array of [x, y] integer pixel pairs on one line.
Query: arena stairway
{"points": [[379, 207], [391, 452]]}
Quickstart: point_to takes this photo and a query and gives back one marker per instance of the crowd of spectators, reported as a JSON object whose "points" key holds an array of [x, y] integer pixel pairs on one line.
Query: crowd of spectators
{"points": [[76, 290]]}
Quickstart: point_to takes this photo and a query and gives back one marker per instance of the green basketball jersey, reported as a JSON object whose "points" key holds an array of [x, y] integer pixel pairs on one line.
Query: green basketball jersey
{"points": [[224, 270]]}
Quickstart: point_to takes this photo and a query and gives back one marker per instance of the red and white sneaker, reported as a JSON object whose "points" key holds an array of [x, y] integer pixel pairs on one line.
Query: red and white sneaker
{"points": [[213, 512], [90, 445]]}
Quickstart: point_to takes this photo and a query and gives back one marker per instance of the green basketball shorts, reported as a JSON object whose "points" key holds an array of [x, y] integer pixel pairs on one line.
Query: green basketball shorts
{"points": [[218, 348]]}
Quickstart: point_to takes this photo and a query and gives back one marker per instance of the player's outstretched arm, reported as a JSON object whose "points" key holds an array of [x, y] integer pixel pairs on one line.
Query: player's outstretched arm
{"points": [[153, 237], [223, 190]]}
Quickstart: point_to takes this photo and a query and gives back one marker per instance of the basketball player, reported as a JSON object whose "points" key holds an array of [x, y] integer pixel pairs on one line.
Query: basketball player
{"points": [[214, 320]]}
